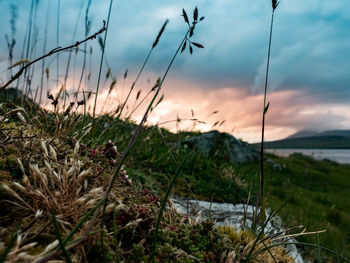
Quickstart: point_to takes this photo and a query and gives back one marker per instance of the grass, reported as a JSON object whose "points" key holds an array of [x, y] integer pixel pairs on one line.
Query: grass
{"points": [[97, 198], [260, 196]]}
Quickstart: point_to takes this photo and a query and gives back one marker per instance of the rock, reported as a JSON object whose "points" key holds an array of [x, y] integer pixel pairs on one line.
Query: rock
{"points": [[237, 215], [276, 166], [222, 145]]}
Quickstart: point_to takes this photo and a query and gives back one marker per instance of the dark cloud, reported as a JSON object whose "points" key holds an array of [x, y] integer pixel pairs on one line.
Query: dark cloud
{"points": [[310, 49]]}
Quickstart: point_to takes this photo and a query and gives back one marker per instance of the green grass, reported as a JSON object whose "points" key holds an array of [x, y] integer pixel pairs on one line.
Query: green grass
{"points": [[316, 191]]}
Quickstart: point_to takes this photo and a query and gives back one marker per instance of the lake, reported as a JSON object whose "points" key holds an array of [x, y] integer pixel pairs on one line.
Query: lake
{"points": [[338, 155]]}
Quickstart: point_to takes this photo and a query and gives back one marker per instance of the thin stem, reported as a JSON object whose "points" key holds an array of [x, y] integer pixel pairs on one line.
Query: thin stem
{"points": [[70, 54], [134, 83], [261, 181], [55, 50], [44, 51], [28, 46], [115, 234], [101, 63], [57, 44], [162, 207], [65, 253]]}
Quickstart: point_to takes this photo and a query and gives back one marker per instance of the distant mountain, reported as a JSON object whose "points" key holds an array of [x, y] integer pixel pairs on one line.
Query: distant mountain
{"points": [[305, 139], [303, 134], [308, 133], [345, 133]]}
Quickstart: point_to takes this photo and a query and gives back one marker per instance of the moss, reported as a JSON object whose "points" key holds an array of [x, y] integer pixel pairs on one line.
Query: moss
{"points": [[11, 149], [2, 163], [5, 176]]}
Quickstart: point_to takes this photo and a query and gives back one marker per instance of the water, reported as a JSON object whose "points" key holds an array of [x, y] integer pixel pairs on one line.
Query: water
{"points": [[338, 155]]}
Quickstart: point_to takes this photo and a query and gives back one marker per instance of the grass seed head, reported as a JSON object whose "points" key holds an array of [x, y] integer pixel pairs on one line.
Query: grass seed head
{"points": [[53, 153], [275, 3], [20, 164], [22, 119], [43, 146], [7, 189]]}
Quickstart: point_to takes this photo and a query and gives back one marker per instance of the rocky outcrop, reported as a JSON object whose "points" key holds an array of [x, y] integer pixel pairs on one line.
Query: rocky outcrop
{"points": [[222, 145], [239, 216]]}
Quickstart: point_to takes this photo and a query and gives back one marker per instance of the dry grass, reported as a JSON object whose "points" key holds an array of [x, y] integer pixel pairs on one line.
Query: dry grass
{"points": [[54, 175]]}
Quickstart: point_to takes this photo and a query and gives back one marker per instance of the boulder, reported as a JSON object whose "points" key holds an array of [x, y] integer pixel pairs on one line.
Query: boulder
{"points": [[222, 145]]}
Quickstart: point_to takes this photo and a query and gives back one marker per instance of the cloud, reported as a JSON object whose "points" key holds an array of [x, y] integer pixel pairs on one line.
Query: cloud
{"points": [[290, 111], [309, 79]]}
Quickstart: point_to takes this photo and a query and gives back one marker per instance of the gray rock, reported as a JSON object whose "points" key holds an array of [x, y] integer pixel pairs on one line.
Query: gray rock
{"points": [[276, 166], [237, 215], [222, 145]]}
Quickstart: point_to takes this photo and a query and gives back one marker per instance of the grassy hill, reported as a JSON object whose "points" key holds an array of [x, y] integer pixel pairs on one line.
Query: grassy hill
{"points": [[313, 193]]}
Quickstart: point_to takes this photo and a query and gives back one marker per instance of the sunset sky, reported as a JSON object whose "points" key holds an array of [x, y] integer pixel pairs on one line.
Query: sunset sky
{"points": [[309, 86]]}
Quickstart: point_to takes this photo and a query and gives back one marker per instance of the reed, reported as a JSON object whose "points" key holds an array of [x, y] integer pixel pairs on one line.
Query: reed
{"points": [[44, 51], [101, 63], [260, 195], [87, 22]]}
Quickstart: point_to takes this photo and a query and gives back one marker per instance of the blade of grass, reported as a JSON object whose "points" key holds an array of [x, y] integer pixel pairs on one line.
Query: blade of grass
{"points": [[261, 180], [70, 53], [57, 44], [102, 230], [8, 248], [44, 51], [64, 251], [101, 63], [318, 248], [115, 231], [143, 66], [162, 207], [87, 29]]}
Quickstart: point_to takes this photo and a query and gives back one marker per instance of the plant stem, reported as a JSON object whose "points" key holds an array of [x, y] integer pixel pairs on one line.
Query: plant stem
{"points": [[44, 51], [261, 180], [55, 50], [162, 207], [70, 54], [57, 44], [101, 63]]}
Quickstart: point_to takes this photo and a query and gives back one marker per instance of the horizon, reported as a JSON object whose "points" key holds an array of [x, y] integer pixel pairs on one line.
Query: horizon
{"points": [[309, 84]]}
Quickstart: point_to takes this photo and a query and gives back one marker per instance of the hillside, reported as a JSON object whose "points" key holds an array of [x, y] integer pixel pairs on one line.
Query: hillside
{"points": [[54, 182], [44, 155]]}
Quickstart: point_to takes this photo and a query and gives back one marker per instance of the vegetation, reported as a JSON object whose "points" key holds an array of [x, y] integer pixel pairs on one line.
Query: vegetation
{"points": [[81, 188]]}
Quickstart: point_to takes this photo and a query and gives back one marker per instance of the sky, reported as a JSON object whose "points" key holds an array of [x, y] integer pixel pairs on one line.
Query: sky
{"points": [[309, 80]]}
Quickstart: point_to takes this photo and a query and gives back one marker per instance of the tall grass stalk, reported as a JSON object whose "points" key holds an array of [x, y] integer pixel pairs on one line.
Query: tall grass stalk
{"points": [[87, 29], [30, 19], [58, 235], [143, 66], [101, 63], [33, 51], [162, 207], [11, 42], [260, 194], [115, 232], [44, 51], [9, 246], [70, 54], [57, 44]]}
